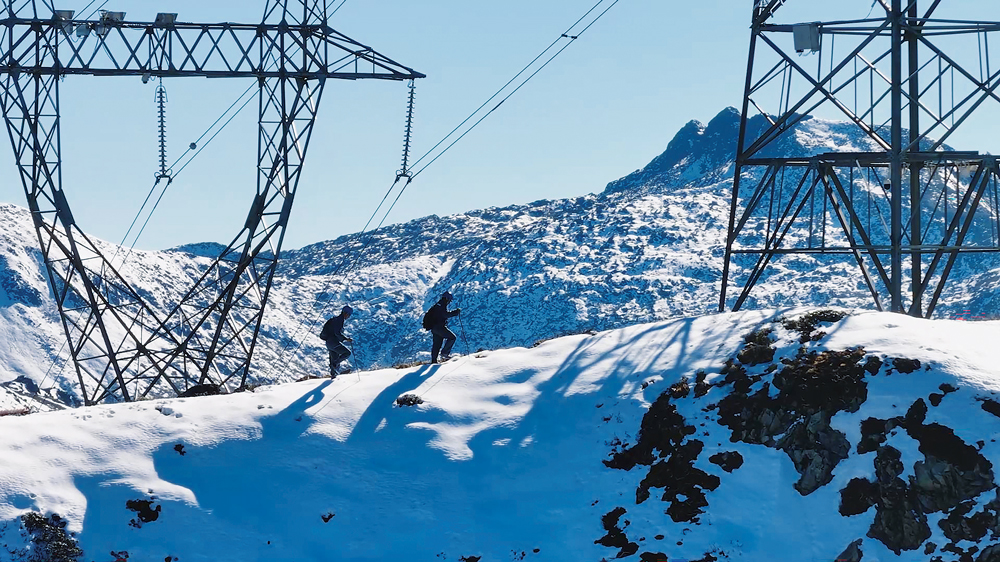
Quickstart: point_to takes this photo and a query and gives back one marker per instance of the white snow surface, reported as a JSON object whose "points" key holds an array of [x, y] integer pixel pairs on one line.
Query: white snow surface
{"points": [[504, 456]]}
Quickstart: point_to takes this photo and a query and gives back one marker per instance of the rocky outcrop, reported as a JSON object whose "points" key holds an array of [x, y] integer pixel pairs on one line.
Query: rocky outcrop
{"points": [[664, 430], [812, 388], [899, 523], [951, 474]]}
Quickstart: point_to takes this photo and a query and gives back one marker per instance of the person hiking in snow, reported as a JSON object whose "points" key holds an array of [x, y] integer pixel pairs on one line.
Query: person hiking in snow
{"points": [[333, 335], [436, 320]]}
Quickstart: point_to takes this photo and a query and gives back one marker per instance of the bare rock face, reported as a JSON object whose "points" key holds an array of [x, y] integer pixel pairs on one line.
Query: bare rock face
{"points": [[813, 387], [899, 524], [951, 474]]}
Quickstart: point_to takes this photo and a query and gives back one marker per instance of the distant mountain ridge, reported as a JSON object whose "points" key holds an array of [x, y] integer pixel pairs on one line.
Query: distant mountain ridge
{"points": [[647, 248]]}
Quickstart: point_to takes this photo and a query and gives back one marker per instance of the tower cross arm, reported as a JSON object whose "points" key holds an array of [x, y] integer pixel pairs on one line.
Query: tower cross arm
{"points": [[220, 50]]}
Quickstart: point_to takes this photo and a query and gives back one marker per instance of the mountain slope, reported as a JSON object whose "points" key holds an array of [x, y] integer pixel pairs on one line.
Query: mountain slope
{"points": [[648, 248], [674, 440]]}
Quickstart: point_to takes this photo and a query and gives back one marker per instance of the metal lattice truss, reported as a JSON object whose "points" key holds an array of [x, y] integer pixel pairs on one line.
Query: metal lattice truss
{"points": [[908, 79], [122, 347]]}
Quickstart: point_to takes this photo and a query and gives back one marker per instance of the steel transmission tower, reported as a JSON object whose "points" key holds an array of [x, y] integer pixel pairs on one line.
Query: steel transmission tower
{"points": [[900, 204], [124, 348]]}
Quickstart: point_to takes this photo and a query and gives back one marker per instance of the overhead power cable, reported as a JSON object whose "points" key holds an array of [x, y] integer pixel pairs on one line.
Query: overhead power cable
{"points": [[567, 37]]}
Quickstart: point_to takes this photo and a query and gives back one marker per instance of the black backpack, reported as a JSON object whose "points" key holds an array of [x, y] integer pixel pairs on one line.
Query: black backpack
{"points": [[325, 334], [428, 321]]}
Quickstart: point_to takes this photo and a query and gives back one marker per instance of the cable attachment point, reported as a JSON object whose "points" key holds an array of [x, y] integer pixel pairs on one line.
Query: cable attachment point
{"points": [[161, 105], [405, 172]]}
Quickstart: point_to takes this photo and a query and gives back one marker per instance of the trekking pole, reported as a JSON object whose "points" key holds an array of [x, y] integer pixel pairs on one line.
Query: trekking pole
{"points": [[358, 370], [461, 324]]}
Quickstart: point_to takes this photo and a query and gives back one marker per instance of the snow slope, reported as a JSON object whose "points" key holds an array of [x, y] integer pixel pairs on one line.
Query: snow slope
{"points": [[513, 454]]}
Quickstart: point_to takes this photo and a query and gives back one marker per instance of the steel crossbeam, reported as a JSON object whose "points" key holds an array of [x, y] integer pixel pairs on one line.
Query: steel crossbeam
{"points": [[900, 80], [123, 346]]}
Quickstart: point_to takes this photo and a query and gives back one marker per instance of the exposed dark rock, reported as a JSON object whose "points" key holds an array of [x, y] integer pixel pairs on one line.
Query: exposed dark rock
{"points": [[736, 375], [858, 497], [409, 400], [812, 388], [905, 366], [957, 527], [899, 524], [49, 540], [729, 461], [664, 430], [700, 386], [806, 324], [991, 406], [758, 348], [206, 389], [615, 537], [929, 547], [652, 557], [873, 364], [989, 554], [874, 432], [678, 477], [680, 389], [951, 474], [936, 397], [815, 448], [144, 510], [852, 553]]}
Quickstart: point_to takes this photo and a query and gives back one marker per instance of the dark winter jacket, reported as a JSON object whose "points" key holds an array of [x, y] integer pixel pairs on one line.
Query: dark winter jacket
{"points": [[333, 330], [439, 314]]}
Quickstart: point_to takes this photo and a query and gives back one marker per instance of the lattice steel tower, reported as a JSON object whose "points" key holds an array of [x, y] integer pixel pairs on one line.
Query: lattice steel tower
{"points": [[901, 205], [122, 347]]}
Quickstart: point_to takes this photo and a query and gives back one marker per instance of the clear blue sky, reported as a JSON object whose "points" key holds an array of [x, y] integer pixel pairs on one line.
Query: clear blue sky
{"points": [[604, 108]]}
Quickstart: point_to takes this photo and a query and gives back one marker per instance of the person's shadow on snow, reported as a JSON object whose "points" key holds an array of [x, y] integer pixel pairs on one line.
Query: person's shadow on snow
{"points": [[382, 405], [289, 420]]}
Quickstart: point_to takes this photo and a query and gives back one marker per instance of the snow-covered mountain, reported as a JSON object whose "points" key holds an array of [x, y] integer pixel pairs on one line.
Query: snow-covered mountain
{"points": [[780, 436], [647, 248]]}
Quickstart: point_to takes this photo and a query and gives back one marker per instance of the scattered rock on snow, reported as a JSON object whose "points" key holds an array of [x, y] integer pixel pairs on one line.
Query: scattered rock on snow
{"points": [[615, 537], [409, 400], [729, 461], [758, 348], [201, 390], [144, 510]]}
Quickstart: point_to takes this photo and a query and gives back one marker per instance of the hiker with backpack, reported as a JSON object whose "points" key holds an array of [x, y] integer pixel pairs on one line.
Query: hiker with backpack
{"points": [[436, 321], [333, 335]]}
